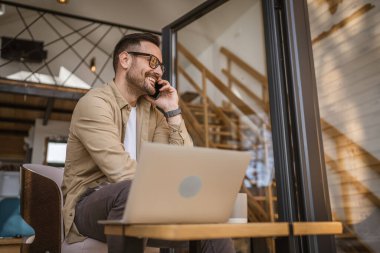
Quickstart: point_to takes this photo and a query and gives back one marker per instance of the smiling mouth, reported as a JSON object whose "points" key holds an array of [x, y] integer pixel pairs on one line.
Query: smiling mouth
{"points": [[152, 79]]}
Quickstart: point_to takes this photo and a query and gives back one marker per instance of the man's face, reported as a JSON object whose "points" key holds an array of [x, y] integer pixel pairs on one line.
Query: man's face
{"points": [[140, 75]]}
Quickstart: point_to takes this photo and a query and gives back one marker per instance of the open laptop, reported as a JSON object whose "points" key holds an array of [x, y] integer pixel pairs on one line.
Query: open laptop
{"points": [[182, 185]]}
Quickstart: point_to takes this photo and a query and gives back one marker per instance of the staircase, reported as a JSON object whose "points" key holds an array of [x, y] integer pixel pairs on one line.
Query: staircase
{"points": [[232, 125], [235, 124]]}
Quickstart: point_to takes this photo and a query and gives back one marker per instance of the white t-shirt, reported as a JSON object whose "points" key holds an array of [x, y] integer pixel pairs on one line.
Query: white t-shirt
{"points": [[131, 134]]}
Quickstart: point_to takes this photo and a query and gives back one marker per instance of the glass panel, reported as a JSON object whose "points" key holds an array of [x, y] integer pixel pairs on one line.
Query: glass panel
{"points": [[221, 77], [346, 39]]}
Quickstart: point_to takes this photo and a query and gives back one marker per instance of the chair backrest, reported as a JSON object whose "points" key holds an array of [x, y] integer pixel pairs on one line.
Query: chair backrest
{"points": [[41, 203]]}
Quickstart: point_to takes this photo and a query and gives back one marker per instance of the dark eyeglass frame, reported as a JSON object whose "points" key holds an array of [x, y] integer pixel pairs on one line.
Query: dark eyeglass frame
{"points": [[154, 62]]}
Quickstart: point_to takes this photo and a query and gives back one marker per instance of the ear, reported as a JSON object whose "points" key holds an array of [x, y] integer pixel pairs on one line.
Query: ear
{"points": [[125, 60]]}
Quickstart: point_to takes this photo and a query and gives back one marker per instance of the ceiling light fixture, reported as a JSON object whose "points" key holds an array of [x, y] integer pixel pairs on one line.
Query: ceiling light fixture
{"points": [[63, 1], [93, 65], [2, 9]]}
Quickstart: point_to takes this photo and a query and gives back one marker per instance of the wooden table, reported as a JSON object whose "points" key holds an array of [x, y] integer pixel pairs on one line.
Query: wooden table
{"points": [[11, 245], [134, 234]]}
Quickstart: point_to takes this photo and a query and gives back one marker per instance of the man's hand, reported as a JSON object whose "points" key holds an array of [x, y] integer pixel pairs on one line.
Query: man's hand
{"points": [[167, 101]]}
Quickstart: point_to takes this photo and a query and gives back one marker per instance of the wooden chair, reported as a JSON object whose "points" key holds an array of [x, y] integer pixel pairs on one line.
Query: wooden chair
{"points": [[41, 205]]}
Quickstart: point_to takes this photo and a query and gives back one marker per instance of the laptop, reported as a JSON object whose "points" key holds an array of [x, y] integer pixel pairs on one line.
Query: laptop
{"points": [[184, 185]]}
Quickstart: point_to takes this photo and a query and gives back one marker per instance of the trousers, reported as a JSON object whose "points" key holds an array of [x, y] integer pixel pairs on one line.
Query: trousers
{"points": [[107, 203]]}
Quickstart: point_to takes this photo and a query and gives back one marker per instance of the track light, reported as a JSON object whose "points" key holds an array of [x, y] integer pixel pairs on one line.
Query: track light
{"points": [[93, 65]]}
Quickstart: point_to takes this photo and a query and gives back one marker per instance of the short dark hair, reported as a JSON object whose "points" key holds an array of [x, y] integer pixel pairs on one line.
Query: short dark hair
{"points": [[132, 39]]}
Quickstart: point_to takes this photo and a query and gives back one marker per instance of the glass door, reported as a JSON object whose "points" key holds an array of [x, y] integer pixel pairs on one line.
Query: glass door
{"points": [[221, 76], [244, 71]]}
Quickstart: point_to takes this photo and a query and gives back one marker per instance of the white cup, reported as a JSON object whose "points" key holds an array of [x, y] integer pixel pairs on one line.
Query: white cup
{"points": [[240, 210]]}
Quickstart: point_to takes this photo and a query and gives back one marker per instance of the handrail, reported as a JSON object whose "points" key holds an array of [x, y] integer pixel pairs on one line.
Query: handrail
{"points": [[243, 107], [252, 95], [260, 77], [370, 160], [220, 113], [194, 122], [358, 185], [226, 120]]}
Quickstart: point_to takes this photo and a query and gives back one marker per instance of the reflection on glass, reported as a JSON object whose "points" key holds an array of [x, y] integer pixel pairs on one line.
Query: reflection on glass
{"points": [[221, 77], [345, 36]]}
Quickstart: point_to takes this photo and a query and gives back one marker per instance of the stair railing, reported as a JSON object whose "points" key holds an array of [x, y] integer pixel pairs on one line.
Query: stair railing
{"points": [[211, 105], [208, 75], [207, 102], [232, 58], [262, 102]]}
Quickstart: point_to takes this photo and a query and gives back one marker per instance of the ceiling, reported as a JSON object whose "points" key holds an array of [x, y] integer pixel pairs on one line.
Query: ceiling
{"points": [[147, 14]]}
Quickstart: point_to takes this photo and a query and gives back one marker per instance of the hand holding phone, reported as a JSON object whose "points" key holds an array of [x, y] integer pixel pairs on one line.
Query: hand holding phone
{"points": [[157, 88]]}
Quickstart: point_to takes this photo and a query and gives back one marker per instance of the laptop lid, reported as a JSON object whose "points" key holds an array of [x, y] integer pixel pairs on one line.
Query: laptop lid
{"points": [[175, 184]]}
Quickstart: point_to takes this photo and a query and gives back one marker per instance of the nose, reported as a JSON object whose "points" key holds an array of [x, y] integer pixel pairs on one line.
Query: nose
{"points": [[157, 74], [158, 71]]}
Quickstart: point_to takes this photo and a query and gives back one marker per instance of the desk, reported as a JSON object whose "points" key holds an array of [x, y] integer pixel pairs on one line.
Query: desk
{"points": [[11, 245], [134, 234]]}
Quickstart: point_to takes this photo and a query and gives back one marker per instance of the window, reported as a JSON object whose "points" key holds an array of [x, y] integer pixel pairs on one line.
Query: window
{"points": [[55, 152]]}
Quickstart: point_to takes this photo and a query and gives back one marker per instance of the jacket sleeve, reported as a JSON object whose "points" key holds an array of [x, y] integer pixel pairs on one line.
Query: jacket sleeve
{"points": [[94, 125], [171, 134]]}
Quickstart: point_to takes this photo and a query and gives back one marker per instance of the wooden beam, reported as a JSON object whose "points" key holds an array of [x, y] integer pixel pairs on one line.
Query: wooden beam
{"points": [[49, 108], [39, 89], [253, 72], [243, 87], [17, 120], [243, 107], [27, 107], [14, 132]]}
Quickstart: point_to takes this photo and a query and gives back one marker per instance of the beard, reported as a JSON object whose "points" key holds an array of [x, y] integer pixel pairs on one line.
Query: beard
{"points": [[139, 81]]}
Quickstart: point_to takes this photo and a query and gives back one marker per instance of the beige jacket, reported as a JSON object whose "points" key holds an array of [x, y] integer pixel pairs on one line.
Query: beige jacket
{"points": [[95, 151]]}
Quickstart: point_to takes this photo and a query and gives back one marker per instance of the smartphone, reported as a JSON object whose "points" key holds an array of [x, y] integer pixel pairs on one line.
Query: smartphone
{"points": [[157, 87]]}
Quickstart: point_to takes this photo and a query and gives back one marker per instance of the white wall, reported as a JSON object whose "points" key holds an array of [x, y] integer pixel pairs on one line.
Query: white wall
{"points": [[52, 129], [237, 26]]}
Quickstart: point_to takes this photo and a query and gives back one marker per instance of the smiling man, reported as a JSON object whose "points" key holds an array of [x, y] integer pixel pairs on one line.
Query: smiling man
{"points": [[107, 128]]}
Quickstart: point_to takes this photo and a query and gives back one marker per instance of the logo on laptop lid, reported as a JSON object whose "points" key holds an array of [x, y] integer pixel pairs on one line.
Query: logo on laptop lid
{"points": [[190, 186]]}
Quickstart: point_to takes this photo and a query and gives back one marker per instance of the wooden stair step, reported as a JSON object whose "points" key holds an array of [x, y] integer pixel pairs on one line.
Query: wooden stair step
{"points": [[223, 133], [201, 113], [264, 198], [194, 105], [189, 96], [216, 125]]}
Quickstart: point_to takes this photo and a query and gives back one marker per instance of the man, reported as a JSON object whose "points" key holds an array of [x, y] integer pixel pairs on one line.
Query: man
{"points": [[107, 128]]}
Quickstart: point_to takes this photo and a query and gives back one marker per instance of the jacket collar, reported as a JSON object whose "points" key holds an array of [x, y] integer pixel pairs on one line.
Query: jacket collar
{"points": [[120, 100]]}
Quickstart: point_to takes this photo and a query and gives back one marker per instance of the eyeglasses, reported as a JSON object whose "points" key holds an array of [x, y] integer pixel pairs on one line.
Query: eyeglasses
{"points": [[154, 62]]}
